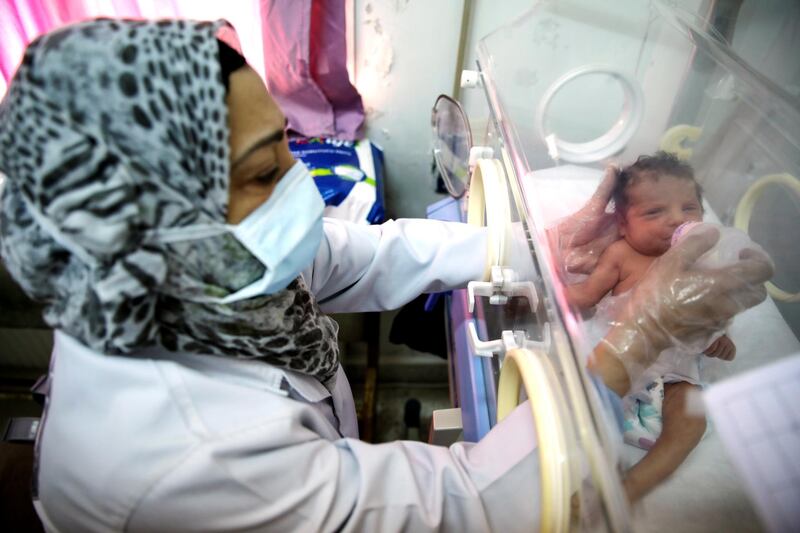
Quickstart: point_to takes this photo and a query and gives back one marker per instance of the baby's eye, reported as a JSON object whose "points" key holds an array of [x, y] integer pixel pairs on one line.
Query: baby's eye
{"points": [[690, 208], [652, 212]]}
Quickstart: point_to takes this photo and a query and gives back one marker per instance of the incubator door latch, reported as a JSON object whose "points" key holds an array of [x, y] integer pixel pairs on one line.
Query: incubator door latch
{"points": [[476, 153], [503, 285], [509, 340]]}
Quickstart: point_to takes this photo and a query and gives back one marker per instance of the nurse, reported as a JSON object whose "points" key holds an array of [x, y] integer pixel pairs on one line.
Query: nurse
{"points": [[152, 204]]}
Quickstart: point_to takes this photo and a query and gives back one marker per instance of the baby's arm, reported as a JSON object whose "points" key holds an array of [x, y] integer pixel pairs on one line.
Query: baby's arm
{"points": [[722, 348], [604, 278]]}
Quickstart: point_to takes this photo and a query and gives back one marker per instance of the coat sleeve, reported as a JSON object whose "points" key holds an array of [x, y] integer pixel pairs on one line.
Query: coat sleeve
{"points": [[285, 477], [374, 268]]}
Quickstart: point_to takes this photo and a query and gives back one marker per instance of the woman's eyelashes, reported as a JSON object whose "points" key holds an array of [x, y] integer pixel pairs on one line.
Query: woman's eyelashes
{"points": [[268, 177]]}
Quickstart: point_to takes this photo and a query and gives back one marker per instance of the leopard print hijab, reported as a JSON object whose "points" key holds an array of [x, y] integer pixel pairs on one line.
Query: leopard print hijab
{"points": [[112, 128]]}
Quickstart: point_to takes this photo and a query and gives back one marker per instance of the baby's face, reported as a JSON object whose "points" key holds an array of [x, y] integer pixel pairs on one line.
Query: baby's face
{"points": [[655, 209]]}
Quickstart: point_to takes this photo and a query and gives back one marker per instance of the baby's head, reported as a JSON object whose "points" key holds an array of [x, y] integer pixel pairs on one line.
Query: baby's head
{"points": [[654, 196]]}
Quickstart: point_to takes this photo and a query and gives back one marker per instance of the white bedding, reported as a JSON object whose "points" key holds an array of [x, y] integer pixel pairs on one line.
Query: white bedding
{"points": [[704, 494]]}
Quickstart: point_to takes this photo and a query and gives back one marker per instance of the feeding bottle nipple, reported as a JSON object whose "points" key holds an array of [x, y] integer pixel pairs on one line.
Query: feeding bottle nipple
{"points": [[726, 250]]}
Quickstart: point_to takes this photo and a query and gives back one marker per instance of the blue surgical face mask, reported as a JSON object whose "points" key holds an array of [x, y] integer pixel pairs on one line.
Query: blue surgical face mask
{"points": [[284, 233]]}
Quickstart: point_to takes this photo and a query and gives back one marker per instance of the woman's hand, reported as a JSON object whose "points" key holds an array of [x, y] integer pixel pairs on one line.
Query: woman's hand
{"points": [[583, 236], [679, 305]]}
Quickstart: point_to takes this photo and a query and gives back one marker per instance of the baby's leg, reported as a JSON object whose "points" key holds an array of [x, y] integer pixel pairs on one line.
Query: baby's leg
{"points": [[679, 435]]}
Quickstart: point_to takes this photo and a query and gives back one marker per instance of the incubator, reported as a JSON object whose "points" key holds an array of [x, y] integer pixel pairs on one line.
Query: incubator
{"points": [[556, 112]]}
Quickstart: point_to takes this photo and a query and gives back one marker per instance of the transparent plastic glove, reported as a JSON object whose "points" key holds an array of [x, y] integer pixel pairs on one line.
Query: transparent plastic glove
{"points": [[583, 236], [727, 249], [680, 304]]}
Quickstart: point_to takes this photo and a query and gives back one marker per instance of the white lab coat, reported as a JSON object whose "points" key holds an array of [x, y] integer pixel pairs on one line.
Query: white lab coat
{"points": [[182, 442]]}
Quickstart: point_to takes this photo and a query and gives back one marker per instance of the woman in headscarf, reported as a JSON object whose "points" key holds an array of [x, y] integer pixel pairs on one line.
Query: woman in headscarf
{"points": [[152, 204]]}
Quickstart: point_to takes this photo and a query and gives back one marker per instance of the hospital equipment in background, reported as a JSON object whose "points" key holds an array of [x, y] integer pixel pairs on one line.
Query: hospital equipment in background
{"points": [[555, 113]]}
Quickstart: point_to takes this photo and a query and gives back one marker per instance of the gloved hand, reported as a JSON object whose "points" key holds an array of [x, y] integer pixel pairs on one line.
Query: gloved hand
{"points": [[678, 304], [583, 236]]}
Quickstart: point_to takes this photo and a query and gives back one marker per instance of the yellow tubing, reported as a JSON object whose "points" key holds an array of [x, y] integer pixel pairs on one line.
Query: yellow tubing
{"points": [[522, 366], [672, 140], [745, 210]]}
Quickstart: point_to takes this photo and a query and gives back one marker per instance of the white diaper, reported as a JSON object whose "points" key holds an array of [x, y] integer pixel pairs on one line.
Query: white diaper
{"points": [[642, 406]]}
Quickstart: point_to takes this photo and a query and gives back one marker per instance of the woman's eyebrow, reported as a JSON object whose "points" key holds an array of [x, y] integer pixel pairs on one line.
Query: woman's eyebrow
{"points": [[266, 140]]}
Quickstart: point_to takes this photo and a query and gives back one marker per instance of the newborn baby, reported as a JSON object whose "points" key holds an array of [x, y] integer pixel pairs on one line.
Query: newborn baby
{"points": [[652, 198]]}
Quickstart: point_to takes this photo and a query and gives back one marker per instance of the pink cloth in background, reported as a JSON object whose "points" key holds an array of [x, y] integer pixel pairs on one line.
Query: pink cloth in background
{"points": [[286, 29], [329, 66], [305, 61]]}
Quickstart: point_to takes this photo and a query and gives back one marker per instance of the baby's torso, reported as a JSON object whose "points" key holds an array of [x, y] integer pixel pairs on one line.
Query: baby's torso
{"points": [[632, 267]]}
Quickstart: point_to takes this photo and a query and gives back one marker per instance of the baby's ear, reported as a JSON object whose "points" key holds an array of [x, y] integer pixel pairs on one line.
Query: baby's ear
{"points": [[620, 218]]}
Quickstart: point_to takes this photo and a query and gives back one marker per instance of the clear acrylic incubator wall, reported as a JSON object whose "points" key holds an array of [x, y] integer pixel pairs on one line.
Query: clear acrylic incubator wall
{"points": [[559, 94]]}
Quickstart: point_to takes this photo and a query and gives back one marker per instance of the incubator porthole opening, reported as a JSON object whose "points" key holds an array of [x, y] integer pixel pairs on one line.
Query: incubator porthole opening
{"points": [[579, 135]]}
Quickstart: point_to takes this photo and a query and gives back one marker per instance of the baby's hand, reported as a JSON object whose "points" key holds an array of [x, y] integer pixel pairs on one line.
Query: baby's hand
{"points": [[722, 348]]}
